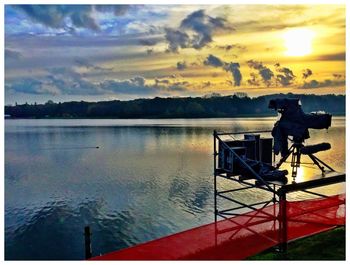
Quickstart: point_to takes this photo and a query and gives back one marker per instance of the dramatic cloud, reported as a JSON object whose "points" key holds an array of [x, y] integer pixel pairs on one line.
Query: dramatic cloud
{"points": [[286, 77], [61, 16], [325, 83], [66, 81], [236, 73], [176, 39], [265, 73], [232, 67], [107, 50], [181, 65], [195, 31], [203, 27], [306, 73], [213, 61]]}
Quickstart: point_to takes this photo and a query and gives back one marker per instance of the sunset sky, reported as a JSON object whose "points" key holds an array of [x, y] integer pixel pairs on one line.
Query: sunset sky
{"points": [[93, 53]]}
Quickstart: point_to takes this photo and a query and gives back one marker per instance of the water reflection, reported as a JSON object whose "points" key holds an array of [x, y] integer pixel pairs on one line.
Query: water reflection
{"points": [[147, 179]]}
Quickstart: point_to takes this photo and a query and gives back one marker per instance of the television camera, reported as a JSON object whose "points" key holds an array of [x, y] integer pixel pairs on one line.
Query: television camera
{"points": [[294, 122]]}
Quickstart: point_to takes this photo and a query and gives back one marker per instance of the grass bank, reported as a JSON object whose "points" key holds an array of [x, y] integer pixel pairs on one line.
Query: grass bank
{"points": [[328, 245]]}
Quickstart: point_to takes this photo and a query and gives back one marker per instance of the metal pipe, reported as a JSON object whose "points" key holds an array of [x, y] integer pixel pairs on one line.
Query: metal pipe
{"points": [[283, 222], [241, 207], [238, 189], [87, 235], [215, 178], [246, 205], [235, 133]]}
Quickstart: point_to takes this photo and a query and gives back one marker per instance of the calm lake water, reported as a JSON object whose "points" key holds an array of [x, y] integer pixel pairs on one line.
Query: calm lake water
{"points": [[147, 179]]}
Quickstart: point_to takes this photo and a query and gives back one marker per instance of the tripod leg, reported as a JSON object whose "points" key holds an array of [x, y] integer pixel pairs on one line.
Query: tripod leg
{"points": [[318, 161], [296, 156], [283, 159]]}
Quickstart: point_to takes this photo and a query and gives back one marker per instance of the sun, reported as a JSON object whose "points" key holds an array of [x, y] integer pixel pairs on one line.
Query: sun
{"points": [[298, 41]]}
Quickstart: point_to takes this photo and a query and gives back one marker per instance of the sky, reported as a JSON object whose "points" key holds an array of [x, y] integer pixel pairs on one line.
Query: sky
{"points": [[107, 52]]}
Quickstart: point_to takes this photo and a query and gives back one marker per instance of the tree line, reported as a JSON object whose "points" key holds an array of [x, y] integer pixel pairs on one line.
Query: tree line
{"points": [[187, 107]]}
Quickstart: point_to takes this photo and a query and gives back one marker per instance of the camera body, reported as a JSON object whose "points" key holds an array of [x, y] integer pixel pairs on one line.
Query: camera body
{"points": [[294, 122]]}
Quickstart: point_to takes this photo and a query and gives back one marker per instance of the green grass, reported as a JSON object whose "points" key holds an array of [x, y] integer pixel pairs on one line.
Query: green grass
{"points": [[328, 245]]}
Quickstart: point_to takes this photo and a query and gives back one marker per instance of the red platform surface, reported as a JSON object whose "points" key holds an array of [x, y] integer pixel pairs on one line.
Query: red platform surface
{"points": [[242, 236]]}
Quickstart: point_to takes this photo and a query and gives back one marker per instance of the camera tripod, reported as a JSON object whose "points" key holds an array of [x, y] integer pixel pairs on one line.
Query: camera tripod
{"points": [[296, 151]]}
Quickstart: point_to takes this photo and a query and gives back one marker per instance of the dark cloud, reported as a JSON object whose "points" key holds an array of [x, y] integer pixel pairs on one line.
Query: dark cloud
{"points": [[286, 77], [84, 20], [332, 57], [133, 86], [230, 47], [326, 83], [176, 39], [126, 87], [236, 73], [161, 81], [306, 73], [148, 42], [253, 80], [66, 81], [212, 60], [265, 73], [118, 10], [169, 85], [12, 54], [232, 67], [181, 65], [56, 16], [195, 31], [82, 62], [337, 76]]}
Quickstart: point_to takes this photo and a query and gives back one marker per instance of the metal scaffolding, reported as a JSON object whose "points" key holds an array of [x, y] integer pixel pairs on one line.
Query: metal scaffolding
{"points": [[277, 193]]}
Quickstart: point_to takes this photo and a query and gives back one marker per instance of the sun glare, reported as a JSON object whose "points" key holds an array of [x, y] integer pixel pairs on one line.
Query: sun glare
{"points": [[298, 41]]}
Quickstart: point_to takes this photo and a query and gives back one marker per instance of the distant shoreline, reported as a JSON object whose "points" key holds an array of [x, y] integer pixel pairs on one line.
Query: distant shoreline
{"points": [[174, 108], [184, 118]]}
